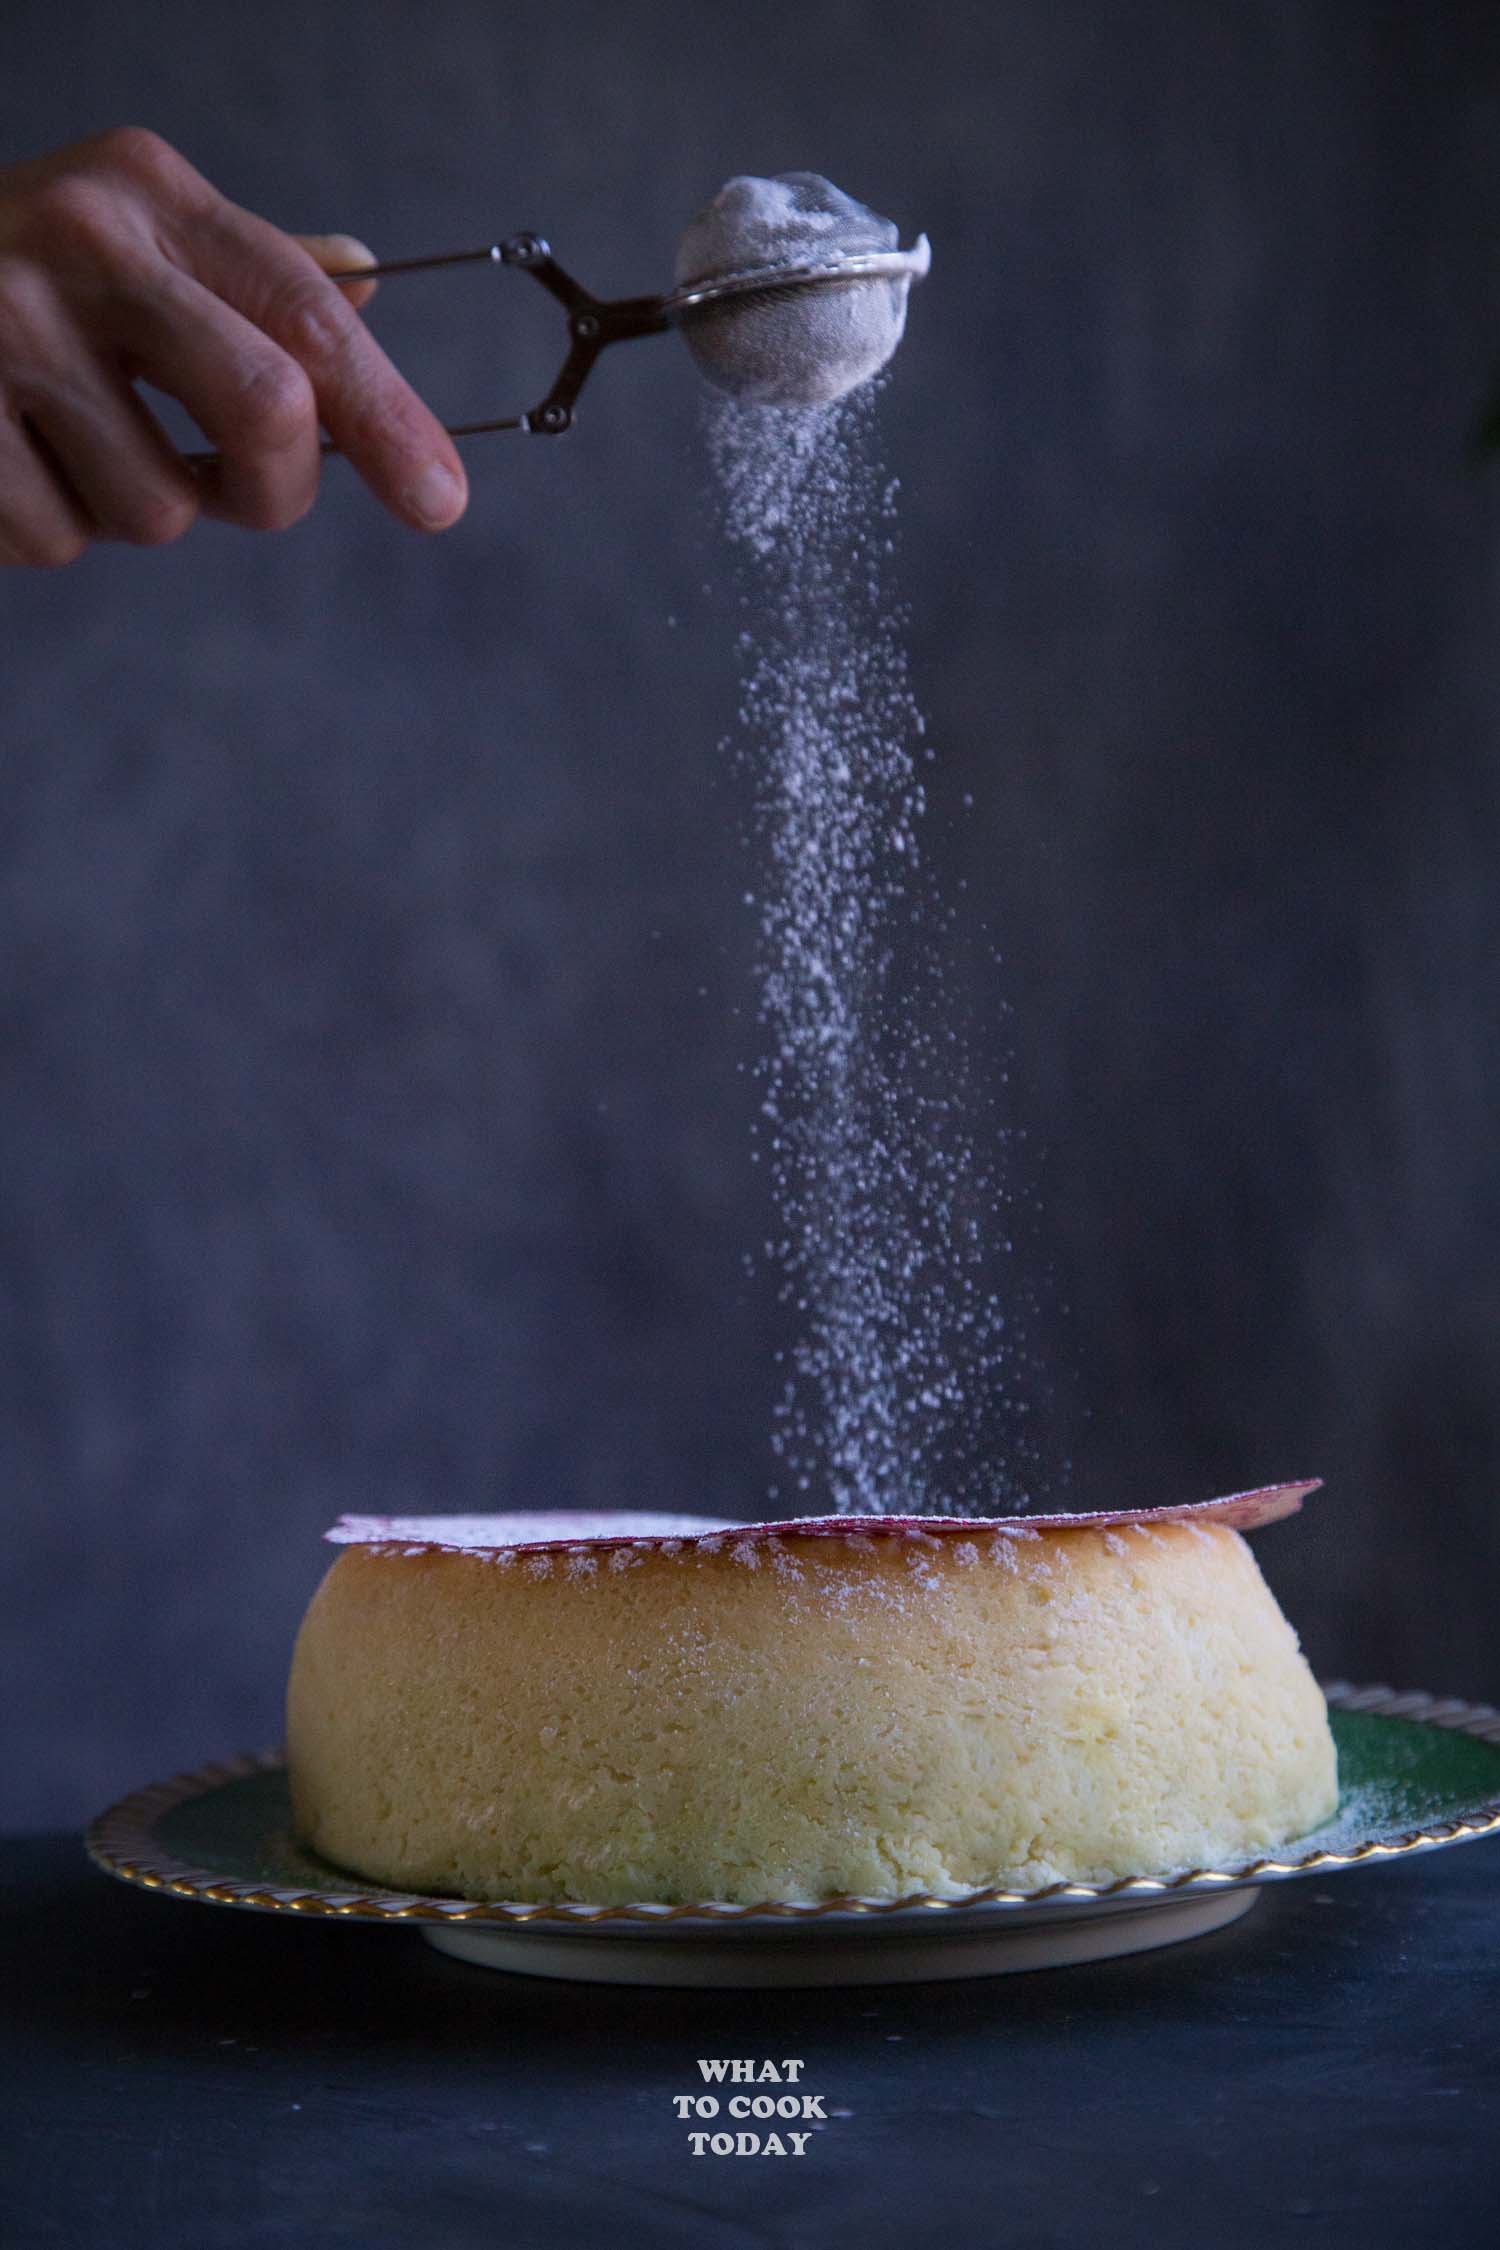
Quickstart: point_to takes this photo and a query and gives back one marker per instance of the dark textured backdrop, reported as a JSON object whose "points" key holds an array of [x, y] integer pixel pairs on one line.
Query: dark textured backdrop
{"points": [[373, 972]]}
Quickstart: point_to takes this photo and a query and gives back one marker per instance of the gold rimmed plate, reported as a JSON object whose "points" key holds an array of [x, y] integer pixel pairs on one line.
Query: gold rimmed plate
{"points": [[1416, 1772]]}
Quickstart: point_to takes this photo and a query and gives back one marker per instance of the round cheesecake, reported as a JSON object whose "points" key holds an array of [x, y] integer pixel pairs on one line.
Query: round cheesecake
{"points": [[608, 1709]]}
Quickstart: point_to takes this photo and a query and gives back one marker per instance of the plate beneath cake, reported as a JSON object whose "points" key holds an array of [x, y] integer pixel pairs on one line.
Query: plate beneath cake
{"points": [[1416, 1772]]}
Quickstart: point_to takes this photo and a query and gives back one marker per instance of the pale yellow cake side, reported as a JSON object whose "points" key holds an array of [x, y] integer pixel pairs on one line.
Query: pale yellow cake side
{"points": [[803, 1718]]}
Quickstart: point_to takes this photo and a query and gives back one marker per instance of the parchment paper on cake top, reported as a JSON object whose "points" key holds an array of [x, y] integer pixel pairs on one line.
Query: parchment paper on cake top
{"points": [[564, 1528]]}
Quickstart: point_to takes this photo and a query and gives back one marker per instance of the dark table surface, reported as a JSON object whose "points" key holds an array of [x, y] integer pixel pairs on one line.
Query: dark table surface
{"points": [[1327, 2071]]}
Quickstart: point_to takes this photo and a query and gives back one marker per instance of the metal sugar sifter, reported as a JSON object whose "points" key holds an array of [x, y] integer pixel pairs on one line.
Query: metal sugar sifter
{"points": [[596, 322], [706, 309]]}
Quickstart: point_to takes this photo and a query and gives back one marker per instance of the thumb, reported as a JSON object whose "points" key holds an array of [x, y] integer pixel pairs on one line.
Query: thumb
{"points": [[341, 253]]}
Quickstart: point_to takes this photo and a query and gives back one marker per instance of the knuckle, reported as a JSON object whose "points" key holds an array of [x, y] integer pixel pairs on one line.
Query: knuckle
{"points": [[312, 320], [26, 312], [75, 213], [50, 547], [141, 156], [263, 500], [276, 408], [267, 510], [156, 518]]}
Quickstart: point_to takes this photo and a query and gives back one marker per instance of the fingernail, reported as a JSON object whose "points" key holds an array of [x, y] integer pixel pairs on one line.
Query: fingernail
{"points": [[437, 498], [346, 251], [337, 252]]}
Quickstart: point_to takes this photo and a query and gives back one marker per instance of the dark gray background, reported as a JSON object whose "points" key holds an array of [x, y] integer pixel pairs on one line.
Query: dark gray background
{"points": [[373, 965]]}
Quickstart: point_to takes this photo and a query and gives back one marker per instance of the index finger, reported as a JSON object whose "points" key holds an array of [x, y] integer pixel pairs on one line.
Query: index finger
{"points": [[372, 414]]}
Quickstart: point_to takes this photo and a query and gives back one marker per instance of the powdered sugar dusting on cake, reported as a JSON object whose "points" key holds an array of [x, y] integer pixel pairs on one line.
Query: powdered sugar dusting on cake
{"points": [[524, 1528], [627, 1538]]}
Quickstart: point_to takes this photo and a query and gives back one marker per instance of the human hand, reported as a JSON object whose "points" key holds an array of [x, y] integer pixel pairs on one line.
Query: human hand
{"points": [[120, 263]]}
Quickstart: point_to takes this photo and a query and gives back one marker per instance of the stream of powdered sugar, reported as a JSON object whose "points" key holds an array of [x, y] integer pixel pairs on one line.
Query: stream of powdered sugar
{"points": [[901, 1394]]}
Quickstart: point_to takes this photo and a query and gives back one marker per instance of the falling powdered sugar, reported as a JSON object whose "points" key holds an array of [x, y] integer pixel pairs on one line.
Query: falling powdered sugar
{"points": [[901, 1396]]}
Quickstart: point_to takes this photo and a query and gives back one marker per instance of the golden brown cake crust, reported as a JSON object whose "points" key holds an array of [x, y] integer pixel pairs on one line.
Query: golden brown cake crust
{"points": [[803, 1715]]}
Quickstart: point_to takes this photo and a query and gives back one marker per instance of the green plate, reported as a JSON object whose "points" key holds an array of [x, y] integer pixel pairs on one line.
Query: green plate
{"points": [[1416, 1772]]}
